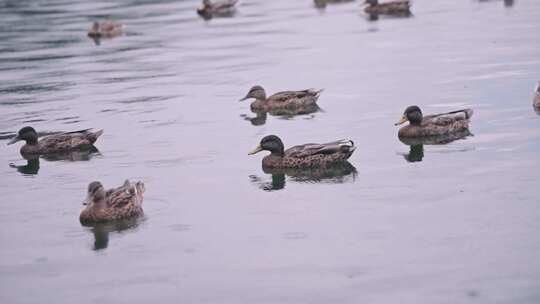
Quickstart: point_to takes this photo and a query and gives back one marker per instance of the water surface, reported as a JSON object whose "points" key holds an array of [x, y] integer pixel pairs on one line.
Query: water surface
{"points": [[458, 224]]}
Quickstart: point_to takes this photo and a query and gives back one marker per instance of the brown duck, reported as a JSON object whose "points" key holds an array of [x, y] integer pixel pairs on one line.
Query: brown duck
{"points": [[56, 143], [303, 156], [398, 7], [281, 100], [536, 100], [223, 7], [105, 29], [433, 125], [115, 204]]}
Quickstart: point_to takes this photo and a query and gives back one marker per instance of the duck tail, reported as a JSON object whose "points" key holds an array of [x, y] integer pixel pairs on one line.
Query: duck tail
{"points": [[347, 144], [469, 113], [315, 92], [98, 133]]}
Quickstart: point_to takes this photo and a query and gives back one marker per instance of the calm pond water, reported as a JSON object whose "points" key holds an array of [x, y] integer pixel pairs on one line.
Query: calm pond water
{"points": [[451, 223]]}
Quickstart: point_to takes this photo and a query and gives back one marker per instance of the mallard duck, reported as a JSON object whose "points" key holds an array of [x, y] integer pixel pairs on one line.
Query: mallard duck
{"points": [[223, 7], [281, 100], [56, 143], [398, 7], [105, 29], [536, 100], [302, 156], [114, 204], [433, 125]]}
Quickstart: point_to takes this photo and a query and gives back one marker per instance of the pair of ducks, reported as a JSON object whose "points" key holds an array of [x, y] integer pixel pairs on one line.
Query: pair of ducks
{"points": [[100, 205], [397, 7]]}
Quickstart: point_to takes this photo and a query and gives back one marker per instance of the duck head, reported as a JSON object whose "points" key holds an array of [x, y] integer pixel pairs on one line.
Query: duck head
{"points": [[270, 143], [256, 92], [412, 114], [27, 134], [96, 194], [206, 4]]}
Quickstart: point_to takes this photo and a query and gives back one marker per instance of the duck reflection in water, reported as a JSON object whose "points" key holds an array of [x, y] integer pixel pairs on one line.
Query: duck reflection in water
{"points": [[321, 4], [101, 231], [33, 161], [416, 152], [261, 115], [507, 3], [338, 173]]}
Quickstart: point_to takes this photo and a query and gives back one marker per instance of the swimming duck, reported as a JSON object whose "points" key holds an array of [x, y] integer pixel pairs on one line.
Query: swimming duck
{"points": [[302, 156], [223, 7], [433, 125], [114, 204], [398, 7], [56, 143], [281, 100], [105, 29]]}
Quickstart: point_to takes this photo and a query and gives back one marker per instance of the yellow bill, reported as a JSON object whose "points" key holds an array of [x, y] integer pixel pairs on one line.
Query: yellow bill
{"points": [[256, 150], [401, 121]]}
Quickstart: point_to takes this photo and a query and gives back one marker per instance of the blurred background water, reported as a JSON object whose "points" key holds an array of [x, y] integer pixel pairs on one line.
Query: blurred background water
{"points": [[451, 224]]}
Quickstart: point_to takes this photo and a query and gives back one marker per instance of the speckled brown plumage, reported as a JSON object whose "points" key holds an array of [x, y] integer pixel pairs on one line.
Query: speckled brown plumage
{"points": [[399, 7], [105, 29], [286, 100], [433, 125], [302, 156], [56, 143], [114, 204], [222, 7]]}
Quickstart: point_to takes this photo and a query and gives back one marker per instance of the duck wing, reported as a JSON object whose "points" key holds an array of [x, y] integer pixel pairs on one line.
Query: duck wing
{"points": [[449, 118], [289, 95], [69, 140], [306, 150], [127, 194]]}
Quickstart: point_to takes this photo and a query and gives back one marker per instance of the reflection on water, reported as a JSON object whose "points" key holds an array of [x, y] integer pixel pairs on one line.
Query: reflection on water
{"points": [[321, 4], [339, 173], [32, 165], [101, 230], [507, 3], [260, 116], [416, 152]]}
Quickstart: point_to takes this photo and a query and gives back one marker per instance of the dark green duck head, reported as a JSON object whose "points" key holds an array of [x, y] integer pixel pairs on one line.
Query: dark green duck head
{"points": [[27, 134], [270, 143], [413, 115], [256, 92]]}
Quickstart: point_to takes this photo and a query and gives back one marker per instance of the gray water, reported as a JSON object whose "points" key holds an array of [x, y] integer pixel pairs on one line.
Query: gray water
{"points": [[456, 223]]}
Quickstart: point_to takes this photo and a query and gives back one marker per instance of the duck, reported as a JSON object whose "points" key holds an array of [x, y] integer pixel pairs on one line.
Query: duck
{"points": [[433, 125], [119, 203], [281, 100], [223, 7], [536, 100], [105, 29], [397, 7], [303, 156], [56, 143]]}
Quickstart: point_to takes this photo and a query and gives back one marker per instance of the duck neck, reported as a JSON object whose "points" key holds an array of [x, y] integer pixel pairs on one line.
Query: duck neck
{"points": [[278, 153]]}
